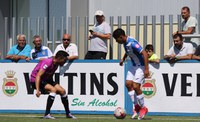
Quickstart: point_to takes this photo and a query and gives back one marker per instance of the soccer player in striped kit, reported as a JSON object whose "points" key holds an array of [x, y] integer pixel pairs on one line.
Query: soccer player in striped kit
{"points": [[136, 73]]}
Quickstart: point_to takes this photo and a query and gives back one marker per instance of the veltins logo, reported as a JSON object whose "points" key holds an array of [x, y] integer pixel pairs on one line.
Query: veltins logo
{"points": [[149, 87], [10, 86]]}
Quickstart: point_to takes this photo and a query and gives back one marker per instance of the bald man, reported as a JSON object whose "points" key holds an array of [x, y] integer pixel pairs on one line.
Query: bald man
{"points": [[67, 46]]}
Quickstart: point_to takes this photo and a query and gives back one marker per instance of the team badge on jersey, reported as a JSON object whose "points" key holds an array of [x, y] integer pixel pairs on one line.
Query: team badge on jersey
{"points": [[149, 87], [137, 45], [43, 53], [45, 66], [10, 87]]}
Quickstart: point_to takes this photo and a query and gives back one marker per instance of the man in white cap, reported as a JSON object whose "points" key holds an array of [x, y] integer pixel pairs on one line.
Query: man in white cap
{"points": [[99, 35]]}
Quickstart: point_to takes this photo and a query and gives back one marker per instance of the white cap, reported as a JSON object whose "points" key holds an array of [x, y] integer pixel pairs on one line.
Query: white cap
{"points": [[99, 13]]}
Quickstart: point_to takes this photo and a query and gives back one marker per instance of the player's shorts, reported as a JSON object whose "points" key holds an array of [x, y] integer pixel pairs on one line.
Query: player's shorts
{"points": [[136, 74], [44, 83]]}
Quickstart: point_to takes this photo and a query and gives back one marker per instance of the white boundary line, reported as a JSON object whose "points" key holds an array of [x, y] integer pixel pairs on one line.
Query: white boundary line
{"points": [[98, 117]]}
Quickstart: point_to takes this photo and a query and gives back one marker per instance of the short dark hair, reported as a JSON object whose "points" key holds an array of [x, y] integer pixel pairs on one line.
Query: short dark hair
{"points": [[187, 8], [61, 54], [36, 36], [118, 32], [149, 47], [178, 35]]}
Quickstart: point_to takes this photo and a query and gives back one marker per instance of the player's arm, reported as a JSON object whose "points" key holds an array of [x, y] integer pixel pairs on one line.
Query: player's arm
{"points": [[146, 62], [190, 30], [123, 59], [157, 60], [13, 57], [73, 57], [9, 57], [196, 57], [37, 81], [74, 54], [186, 57], [102, 36]]}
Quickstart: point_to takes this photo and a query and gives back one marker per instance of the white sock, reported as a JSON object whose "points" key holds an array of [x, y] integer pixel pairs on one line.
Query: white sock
{"points": [[132, 96], [141, 100], [52, 94], [65, 95], [136, 100]]}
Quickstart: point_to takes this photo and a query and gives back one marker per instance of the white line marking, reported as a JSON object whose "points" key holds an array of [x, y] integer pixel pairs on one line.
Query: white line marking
{"points": [[101, 117]]}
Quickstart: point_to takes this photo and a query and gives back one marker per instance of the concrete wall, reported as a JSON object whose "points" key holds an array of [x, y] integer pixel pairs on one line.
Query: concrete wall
{"points": [[4, 12], [79, 8], [141, 8]]}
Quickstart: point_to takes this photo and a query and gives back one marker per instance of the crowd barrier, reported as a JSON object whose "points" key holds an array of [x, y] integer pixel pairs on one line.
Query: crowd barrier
{"points": [[98, 87]]}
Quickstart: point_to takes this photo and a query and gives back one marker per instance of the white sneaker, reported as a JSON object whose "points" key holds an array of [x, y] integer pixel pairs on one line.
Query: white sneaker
{"points": [[134, 114], [48, 116], [71, 116]]}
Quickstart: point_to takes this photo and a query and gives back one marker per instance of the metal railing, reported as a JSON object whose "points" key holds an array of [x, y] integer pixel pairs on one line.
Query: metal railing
{"points": [[191, 35], [150, 30]]}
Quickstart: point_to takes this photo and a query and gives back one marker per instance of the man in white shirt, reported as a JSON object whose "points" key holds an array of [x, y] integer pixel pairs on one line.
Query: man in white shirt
{"points": [[189, 26], [69, 47], [180, 50], [99, 35]]}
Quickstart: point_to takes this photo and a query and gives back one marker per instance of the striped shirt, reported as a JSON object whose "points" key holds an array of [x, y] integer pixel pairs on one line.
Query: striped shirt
{"points": [[133, 49]]}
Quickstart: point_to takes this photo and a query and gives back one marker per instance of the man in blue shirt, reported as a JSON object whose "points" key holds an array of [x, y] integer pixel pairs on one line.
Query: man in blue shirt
{"points": [[19, 51], [136, 73], [39, 52]]}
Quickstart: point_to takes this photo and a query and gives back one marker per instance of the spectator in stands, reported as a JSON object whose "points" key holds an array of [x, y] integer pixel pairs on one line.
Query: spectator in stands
{"points": [[153, 58], [197, 53], [99, 35], [180, 50], [69, 47], [39, 52], [19, 51], [189, 26]]}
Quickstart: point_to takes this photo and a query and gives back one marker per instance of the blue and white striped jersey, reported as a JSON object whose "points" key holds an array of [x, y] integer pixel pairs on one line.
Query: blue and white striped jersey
{"points": [[133, 49]]}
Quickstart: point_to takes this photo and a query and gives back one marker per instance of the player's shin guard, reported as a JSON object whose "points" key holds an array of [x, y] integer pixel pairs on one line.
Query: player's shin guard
{"points": [[141, 100], [50, 101], [65, 102]]}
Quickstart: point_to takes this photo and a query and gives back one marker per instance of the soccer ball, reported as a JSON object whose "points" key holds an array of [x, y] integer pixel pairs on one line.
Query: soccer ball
{"points": [[120, 113]]}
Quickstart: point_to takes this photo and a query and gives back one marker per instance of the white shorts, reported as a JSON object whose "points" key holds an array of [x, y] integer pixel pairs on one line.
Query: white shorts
{"points": [[136, 74]]}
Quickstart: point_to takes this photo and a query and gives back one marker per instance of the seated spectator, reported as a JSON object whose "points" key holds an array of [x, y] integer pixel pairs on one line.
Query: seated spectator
{"points": [[180, 50], [19, 51], [197, 53], [67, 46], [153, 58], [39, 52]]}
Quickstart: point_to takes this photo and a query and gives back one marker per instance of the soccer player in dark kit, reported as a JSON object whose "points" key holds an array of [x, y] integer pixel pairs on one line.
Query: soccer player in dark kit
{"points": [[42, 79]]}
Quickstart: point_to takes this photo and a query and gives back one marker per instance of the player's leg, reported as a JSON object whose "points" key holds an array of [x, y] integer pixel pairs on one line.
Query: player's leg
{"points": [[64, 99], [129, 85], [136, 107], [50, 100], [139, 79]]}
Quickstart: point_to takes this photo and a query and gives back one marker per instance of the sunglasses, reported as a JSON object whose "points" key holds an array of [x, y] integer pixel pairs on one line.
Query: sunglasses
{"points": [[66, 39]]}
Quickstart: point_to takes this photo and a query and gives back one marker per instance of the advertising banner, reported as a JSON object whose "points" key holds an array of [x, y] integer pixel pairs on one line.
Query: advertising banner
{"points": [[100, 86], [90, 87], [173, 88]]}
